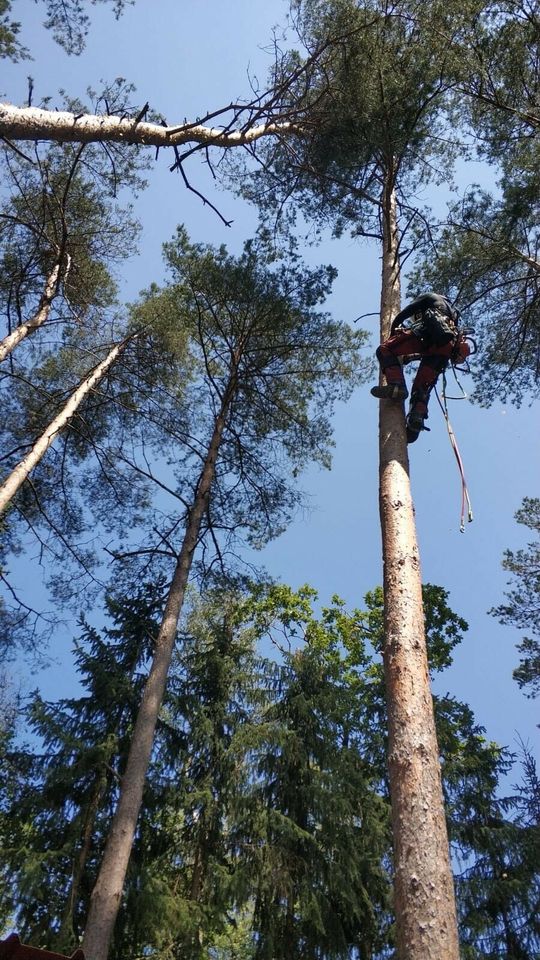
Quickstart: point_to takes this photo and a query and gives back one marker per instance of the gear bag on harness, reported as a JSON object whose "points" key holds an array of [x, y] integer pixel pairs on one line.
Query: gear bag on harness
{"points": [[433, 327]]}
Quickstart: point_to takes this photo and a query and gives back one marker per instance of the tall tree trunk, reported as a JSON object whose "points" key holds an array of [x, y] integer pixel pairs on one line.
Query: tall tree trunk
{"points": [[66, 933], [22, 470], [42, 314], [424, 894], [107, 893]]}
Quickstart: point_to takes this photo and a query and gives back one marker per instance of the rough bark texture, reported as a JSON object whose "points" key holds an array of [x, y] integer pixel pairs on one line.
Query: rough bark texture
{"points": [[42, 314], [424, 894], [32, 123], [22, 470], [107, 892]]}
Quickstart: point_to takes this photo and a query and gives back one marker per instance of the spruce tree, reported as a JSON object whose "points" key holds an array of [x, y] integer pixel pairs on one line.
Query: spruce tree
{"points": [[320, 884], [265, 817], [58, 808]]}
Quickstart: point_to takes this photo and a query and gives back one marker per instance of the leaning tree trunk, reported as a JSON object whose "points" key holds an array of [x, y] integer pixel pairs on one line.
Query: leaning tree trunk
{"points": [[41, 315], [66, 933], [23, 469], [107, 892], [423, 887]]}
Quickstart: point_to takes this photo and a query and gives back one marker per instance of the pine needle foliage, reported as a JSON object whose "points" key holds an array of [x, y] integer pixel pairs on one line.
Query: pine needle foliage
{"points": [[265, 823]]}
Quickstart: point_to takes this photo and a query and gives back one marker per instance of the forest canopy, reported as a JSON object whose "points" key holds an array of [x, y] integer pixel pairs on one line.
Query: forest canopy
{"points": [[205, 756]]}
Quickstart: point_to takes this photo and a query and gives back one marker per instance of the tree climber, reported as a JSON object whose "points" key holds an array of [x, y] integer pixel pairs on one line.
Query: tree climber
{"points": [[432, 335]]}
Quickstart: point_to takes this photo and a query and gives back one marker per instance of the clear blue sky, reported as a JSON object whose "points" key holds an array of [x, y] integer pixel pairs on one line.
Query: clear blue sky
{"points": [[192, 56]]}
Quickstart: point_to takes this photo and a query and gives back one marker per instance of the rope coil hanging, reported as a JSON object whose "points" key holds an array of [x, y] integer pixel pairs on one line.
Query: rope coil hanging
{"points": [[466, 506]]}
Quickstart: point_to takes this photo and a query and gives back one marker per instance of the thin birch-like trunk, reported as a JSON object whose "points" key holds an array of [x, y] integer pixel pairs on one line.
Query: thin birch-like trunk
{"points": [[8, 344], [425, 910], [107, 893], [17, 476], [33, 123]]}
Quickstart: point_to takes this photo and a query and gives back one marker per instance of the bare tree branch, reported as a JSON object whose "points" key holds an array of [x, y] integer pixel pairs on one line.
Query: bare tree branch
{"points": [[33, 123]]}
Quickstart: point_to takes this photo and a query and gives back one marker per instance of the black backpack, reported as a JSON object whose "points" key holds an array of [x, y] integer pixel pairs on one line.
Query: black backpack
{"points": [[435, 328]]}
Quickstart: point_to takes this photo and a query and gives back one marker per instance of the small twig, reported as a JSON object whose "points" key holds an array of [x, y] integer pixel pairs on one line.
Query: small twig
{"points": [[142, 113], [205, 200]]}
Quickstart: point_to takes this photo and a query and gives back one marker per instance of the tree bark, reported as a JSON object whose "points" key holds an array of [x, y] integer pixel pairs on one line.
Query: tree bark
{"points": [[42, 314], [23, 469], [425, 910], [107, 893], [32, 123], [66, 934]]}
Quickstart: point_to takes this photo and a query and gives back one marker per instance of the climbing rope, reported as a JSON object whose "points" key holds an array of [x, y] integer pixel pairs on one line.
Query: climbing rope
{"points": [[466, 506]]}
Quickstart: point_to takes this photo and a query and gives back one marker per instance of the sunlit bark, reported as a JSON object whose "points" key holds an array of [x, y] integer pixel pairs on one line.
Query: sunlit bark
{"points": [[426, 922], [8, 344], [23, 469]]}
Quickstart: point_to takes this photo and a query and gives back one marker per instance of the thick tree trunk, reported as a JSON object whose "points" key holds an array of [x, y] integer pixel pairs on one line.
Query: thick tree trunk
{"points": [[41, 315], [107, 892], [424, 895], [23, 469], [33, 123]]}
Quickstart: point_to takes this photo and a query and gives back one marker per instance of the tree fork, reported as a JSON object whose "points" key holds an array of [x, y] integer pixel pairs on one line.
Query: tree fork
{"points": [[107, 892], [425, 909], [19, 474]]}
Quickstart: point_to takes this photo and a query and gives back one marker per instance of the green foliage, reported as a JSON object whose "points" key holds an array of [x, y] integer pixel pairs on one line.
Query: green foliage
{"points": [[522, 607], [265, 826], [59, 211], [10, 48], [70, 24], [486, 257], [444, 628], [80, 482], [321, 884], [500, 76], [258, 338], [253, 334], [58, 808], [486, 261], [246, 328], [378, 96], [499, 886], [13, 778], [236, 943], [211, 710]]}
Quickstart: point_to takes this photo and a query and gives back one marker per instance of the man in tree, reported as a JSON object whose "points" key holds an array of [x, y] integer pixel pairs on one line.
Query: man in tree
{"points": [[433, 335]]}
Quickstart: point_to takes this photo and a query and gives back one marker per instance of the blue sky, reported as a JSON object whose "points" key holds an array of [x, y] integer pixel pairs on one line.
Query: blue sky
{"points": [[186, 58]]}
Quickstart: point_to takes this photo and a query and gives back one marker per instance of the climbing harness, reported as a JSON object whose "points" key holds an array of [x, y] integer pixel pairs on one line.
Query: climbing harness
{"points": [[466, 506]]}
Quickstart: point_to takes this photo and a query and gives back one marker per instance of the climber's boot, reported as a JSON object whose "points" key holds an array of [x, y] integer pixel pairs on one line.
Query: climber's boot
{"points": [[390, 391], [416, 421]]}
